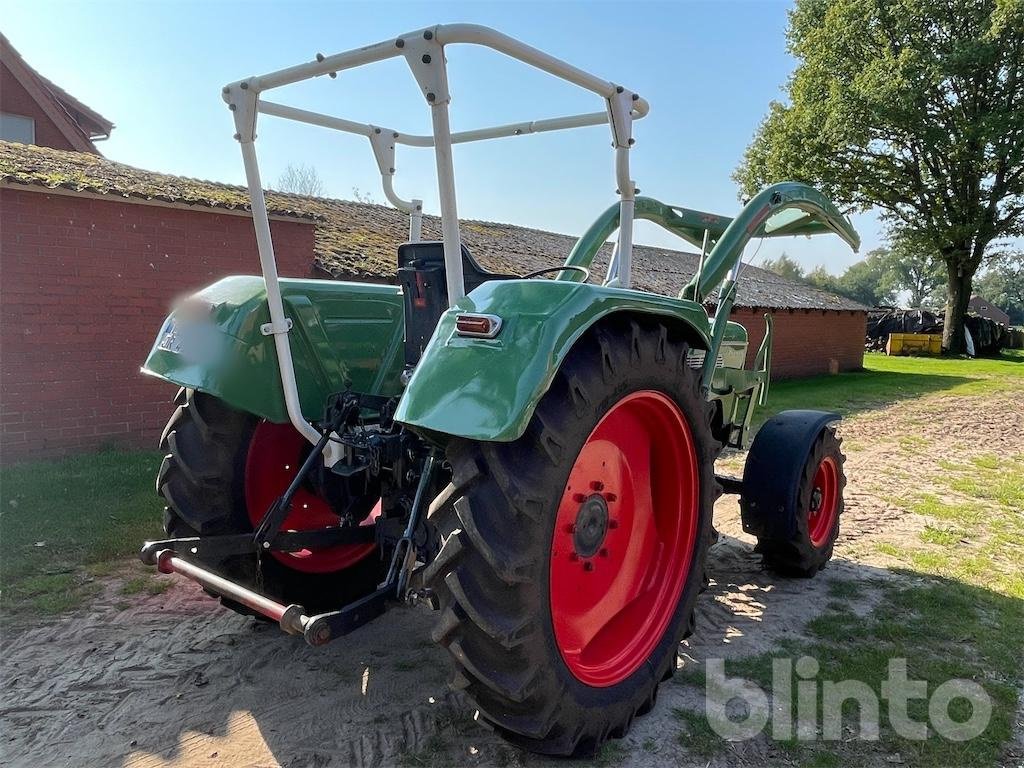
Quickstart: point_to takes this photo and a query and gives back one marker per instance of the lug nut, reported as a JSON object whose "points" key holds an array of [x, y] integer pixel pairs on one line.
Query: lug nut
{"points": [[610, 497], [603, 552], [597, 485], [588, 566], [579, 498], [613, 524], [573, 556], [426, 58]]}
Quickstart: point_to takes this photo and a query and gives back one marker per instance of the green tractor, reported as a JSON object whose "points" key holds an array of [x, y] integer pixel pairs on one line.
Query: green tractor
{"points": [[532, 456]]}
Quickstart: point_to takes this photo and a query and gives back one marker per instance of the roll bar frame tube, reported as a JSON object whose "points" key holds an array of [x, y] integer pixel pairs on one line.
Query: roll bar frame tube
{"points": [[424, 53]]}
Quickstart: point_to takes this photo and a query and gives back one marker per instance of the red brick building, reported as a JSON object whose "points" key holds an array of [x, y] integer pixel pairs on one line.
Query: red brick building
{"points": [[35, 111], [93, 253]]}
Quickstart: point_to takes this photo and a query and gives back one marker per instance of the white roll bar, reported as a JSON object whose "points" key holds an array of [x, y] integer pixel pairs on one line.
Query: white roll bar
{"points": [[424, 53]]}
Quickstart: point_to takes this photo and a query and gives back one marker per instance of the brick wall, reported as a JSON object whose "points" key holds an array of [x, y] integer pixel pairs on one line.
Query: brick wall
{"points": [[806, 342], [15, 100], [84, 285]]}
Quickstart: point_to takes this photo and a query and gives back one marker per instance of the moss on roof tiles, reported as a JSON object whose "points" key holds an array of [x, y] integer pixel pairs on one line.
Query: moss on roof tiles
{"points": [[358, 240]]}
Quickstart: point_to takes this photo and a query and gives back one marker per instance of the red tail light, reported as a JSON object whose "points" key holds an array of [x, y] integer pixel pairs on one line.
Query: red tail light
{"points": [[477, 326]]}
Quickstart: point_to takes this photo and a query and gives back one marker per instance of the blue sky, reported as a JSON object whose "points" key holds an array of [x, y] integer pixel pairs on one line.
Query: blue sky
{"points": [[708, 69]]}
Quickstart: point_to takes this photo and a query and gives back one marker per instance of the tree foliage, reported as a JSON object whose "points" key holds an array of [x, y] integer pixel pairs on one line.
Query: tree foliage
{"points": [[300, 180], [784, 266], [877, 279], [913, 107], [912, 268]]}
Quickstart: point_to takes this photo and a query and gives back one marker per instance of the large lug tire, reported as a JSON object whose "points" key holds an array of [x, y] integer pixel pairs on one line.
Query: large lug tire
{"points": [[813, 523], [560, 634], [215, 459]]}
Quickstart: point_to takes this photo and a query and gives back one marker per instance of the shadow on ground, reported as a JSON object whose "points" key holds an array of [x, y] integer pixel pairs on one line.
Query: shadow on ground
{"points": [[177, 680], [856, 391]]}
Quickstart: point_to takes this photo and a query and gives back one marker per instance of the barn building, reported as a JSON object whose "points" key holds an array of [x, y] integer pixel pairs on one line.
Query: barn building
{"points": [[94, 252]]}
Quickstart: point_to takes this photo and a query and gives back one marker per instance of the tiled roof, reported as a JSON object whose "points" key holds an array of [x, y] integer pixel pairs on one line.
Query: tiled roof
{"points": [[359, 240]]}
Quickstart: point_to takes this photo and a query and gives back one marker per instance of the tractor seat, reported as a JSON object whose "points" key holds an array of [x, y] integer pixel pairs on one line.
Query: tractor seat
{"points": [[429, 254], [421, 274]]}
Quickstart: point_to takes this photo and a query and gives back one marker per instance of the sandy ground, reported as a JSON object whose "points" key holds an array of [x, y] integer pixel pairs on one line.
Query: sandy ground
{"points": [[175, 680]]}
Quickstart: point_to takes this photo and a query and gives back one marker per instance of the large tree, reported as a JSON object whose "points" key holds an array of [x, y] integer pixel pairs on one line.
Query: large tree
{"points": [[912, 107]]}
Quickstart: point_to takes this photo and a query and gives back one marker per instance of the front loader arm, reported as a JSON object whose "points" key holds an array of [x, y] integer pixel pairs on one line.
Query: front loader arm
{"points": [[783, 209]]}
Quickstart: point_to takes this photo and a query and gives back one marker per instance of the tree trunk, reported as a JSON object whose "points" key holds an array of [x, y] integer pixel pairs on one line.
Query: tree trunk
{"points": [[958, 282]]}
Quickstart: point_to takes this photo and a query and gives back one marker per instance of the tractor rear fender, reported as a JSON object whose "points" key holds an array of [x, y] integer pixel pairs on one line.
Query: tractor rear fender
{"points": [[775, 465], [487, 389], [343, 335]]}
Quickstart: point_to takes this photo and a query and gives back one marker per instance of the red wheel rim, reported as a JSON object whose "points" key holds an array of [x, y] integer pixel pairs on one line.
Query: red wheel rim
{"points": [[613, 595], [275, 454], [824, 502]]}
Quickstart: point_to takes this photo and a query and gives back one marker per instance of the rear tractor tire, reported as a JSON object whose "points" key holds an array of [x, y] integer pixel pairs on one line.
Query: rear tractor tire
{"points": [[794, 511], [222, 470], [572, 557]]}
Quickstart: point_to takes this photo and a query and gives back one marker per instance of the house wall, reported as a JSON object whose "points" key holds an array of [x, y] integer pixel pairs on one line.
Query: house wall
{"points": [[86, 283], [15, 100], [808, 342]]}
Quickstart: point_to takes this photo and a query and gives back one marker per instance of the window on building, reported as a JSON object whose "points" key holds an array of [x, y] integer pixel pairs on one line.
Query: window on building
{"points": [[17, 128]]}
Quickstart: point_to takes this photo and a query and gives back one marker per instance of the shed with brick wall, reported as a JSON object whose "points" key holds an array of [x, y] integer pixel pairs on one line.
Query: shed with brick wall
{"points": [[93, 253]]}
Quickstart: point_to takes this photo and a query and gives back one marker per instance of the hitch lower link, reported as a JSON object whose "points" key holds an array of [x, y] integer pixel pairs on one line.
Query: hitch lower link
{"points": [[171, 556]]}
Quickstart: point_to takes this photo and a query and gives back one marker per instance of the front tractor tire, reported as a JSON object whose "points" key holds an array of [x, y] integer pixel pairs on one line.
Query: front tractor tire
{"points": [[221, 471], [792, 497], [572, 557]]}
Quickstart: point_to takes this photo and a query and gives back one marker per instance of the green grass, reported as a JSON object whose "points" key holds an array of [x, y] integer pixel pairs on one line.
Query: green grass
{"points": [[959, 612], [697, 735], [63, 522], [944, 629], [887, 379]]}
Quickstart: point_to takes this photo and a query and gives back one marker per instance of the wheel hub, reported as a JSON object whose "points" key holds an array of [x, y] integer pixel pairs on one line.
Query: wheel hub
{"points": [[591, 526], [816, 500]]}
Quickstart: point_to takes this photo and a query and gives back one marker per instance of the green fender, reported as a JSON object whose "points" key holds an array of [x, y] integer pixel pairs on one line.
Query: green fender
{"points": [[487, 389], [343, 335]]}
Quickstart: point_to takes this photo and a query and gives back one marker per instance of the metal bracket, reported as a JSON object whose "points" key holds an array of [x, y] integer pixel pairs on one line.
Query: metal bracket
{"points": [[241, 99], [425, 57], [620, 115], [268, 329], [382, 141]]}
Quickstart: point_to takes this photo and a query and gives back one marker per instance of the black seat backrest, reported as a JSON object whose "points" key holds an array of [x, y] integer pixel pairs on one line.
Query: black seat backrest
{"points": [[422, 275]]}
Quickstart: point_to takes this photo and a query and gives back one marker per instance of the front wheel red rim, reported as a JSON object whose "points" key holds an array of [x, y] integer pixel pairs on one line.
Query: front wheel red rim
{"points": [[624, 537], [276, 452], [821, 515]]}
